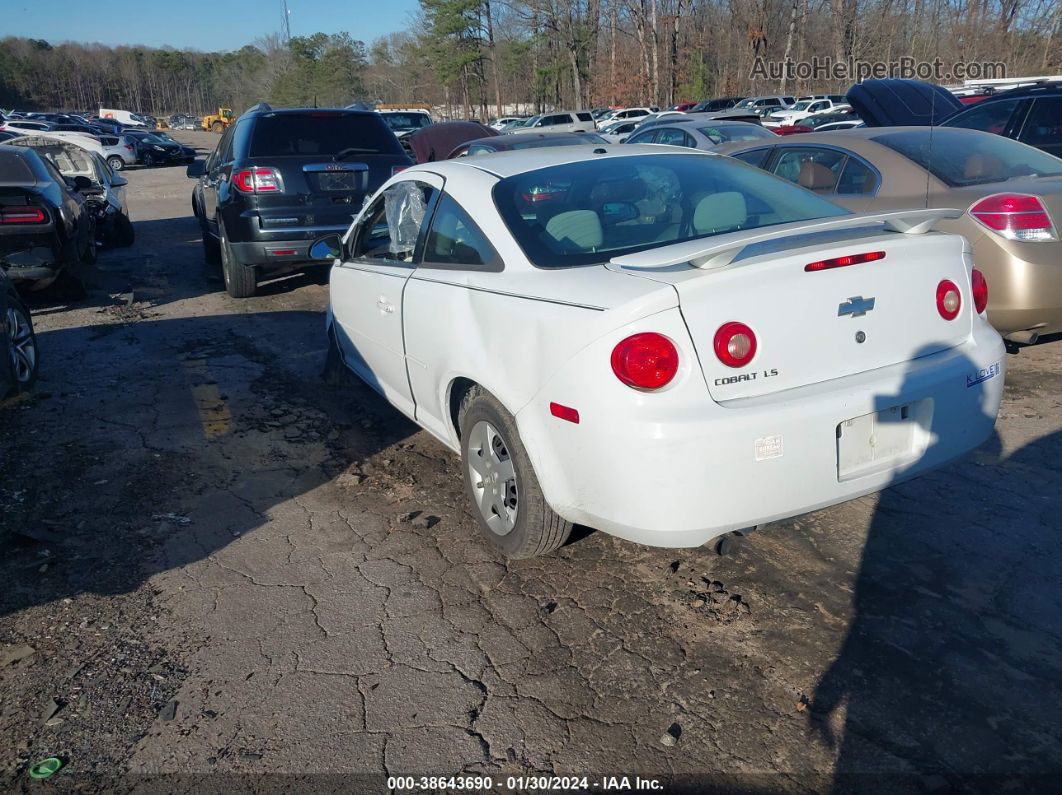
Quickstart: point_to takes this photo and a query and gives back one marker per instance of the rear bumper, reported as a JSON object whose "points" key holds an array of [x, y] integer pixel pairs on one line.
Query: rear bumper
{"points": [[277, 254], [33, 264], [681, 481], [251, 245]]}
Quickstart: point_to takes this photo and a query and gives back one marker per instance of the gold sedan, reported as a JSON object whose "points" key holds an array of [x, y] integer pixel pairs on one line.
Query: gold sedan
{"points": [[1010, 194]]}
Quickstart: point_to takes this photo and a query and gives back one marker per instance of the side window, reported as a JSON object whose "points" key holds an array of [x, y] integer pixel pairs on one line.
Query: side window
{"points": [[1043, 127], [857, 178], [391, 226], [988, 116], [584, 117], [646, 137], [754, 157], [810, 167], [671, 136], [455, 242]]}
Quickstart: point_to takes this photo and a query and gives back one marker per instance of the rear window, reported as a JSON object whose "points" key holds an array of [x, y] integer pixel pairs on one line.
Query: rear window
{"points": [[589, 212], [584, 117], [967, 158], [322, 134], [722, 133]]}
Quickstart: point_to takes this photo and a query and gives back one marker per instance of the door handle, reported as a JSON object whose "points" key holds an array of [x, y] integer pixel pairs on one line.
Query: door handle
{"points": [[385, 306]]}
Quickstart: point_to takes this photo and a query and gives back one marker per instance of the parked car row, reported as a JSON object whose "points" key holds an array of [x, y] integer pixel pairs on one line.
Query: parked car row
{"points": [[663, 283]]}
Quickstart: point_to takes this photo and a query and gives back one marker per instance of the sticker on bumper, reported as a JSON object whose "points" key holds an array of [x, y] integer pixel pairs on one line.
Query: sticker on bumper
{"points": [[769, 447], [983, 375]]}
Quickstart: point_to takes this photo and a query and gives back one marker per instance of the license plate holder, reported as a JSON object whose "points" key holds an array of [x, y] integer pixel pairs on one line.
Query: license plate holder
{"points": [[882, 440]]}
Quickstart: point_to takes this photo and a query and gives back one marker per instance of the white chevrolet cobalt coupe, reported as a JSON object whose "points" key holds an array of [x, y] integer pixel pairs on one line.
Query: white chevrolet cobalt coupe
{"points": [[662, 344]]}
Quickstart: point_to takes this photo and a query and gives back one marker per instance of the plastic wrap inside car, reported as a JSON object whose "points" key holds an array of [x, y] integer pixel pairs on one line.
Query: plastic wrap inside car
{"points": [[404, 208]]}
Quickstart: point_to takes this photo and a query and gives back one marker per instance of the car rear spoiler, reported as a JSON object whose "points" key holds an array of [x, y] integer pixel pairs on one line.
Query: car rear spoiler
{"points": [[721, 250]]}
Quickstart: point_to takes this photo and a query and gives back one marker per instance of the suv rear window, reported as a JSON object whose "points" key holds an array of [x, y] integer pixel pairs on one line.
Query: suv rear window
{"points": [[322, 134]]}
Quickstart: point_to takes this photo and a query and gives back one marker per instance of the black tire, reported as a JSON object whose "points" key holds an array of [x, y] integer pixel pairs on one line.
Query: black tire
{"points": [[211, 249], [116, 163], [537, 530], [123, 233], [24, 362], [217, 127], [148, 159], [241, 281]]}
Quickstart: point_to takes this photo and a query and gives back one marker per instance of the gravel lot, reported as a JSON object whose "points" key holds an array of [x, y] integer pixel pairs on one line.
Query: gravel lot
{"points": [[235, 568]]}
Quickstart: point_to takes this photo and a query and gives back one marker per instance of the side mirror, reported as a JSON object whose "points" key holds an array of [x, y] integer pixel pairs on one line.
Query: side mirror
{"points": [[329, 247], [119, 181], [195, 169]]}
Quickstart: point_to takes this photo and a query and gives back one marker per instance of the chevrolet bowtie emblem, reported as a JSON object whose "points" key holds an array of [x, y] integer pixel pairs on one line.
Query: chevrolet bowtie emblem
{"points": [[856, 306]]}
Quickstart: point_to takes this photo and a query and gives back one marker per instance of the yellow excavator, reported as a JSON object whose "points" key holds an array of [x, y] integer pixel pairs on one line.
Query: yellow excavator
{"points": [[217, 122]]}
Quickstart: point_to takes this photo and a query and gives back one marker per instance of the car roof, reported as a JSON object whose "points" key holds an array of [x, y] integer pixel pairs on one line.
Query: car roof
{"points": [[860, 139], [697, 120], [511, 163]]}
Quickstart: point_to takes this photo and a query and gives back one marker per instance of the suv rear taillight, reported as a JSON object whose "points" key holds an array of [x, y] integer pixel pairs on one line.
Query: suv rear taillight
{"points": [[735, 344], [980, 290], [949, 300], [1015, 216], [22, 215], [257, 180], [645, 361]]}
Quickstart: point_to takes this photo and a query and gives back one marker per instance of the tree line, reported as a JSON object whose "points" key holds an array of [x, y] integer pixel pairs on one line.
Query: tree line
{"points": [[483, 57]]}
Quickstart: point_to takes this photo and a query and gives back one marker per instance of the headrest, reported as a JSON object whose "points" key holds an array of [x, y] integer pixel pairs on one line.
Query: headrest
{"points": [[719, 211], [575, 231], [815, 176]]}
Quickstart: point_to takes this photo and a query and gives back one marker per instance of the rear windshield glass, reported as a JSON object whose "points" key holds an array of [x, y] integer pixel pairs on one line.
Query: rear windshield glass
{"points": [[406, 122], [591, 211], [722, 133], [322, 134], [960, 158]]}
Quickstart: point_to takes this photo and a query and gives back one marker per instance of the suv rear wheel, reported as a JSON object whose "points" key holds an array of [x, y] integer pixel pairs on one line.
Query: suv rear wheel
{"points": [[241, 281]]}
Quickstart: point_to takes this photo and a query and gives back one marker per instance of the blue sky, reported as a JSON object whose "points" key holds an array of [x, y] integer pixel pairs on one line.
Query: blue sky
{"points": [[196, 24]]}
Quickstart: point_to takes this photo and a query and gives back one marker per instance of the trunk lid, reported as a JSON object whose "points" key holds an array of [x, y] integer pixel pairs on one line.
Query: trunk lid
{"points": [[807, 324]]}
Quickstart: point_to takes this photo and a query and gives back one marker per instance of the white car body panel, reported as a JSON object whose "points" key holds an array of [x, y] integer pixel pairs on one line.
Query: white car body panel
{"points": [[682, 465]]}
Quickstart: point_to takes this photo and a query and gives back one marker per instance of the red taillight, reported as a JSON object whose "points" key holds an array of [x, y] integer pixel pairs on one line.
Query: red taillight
{"points": [[564, 412], [257, 180], [980, 290], [645, 361], [735, 344], [22, 215], [843, 262], [129, 147], [396, 169], [283, 252], [949, 300], [1015, 216]]}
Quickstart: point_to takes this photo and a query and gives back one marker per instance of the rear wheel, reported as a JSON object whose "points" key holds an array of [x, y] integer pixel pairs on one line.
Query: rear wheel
{"points": [[116, 163], [22, 345], [148, 159], [240, 280], [217, 127], [502, 489], [123, 234], [211, 249]]}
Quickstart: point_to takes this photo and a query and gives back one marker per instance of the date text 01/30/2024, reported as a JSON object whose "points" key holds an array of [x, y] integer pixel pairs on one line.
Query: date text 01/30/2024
{"points": [[523, 783]]}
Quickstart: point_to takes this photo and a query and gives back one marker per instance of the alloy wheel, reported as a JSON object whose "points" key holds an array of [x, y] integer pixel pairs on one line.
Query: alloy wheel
{"points": [[23, 345], [493, 478]]}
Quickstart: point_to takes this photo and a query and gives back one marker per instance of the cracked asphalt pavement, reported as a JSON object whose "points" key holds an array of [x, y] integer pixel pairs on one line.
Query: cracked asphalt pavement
{"points": [[215, 563]]}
